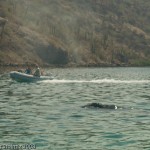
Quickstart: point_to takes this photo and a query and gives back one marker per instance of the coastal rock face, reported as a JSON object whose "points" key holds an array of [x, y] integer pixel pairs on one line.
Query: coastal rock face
{"points": [[2, 25], [99, 106], [53, 55], [79, 32], [2, 22]]}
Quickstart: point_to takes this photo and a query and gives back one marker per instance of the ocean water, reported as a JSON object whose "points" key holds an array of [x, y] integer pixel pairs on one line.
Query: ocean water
{"points": [[48, 114]]}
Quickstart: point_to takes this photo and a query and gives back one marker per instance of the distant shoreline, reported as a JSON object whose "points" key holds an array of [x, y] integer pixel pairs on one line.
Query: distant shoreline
{"points": [[10, 67]]}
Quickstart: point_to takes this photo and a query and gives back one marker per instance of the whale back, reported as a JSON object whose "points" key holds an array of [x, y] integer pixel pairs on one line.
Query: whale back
{"points": [[99, 106]]}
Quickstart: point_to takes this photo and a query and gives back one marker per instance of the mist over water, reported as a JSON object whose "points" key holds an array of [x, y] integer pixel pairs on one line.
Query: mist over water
{"points": [[49, 114]]}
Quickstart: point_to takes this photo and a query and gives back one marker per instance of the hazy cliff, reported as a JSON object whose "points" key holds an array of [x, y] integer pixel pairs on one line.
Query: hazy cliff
{"points": [[84, 32]]}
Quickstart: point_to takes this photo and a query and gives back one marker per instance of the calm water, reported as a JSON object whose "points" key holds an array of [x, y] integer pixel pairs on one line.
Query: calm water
{"points": [[49, 114]]}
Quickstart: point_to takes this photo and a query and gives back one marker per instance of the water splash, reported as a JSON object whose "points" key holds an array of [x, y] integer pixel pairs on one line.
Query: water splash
{"points": [[98, 81]]}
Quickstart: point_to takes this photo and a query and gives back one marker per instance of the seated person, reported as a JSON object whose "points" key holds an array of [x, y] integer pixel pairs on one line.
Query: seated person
{"points": [[28, 71], [37, 72]]}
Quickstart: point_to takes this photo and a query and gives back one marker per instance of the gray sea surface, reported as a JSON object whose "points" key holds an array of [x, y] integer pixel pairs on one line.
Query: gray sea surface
{"points": [[49, 115]]}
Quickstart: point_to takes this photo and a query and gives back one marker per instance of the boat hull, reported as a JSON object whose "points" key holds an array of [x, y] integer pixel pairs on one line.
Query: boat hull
{"points": [[22, 77]]}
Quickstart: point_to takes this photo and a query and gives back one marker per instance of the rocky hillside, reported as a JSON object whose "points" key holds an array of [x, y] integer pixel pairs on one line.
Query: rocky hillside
{"points": [[80, 32]]}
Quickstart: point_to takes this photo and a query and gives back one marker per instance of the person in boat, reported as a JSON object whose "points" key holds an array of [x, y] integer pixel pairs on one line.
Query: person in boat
{"points": [[37, 72], [28, 70]]}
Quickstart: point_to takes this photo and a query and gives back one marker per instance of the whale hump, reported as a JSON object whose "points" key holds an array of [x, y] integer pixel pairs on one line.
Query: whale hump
{"points": [[99, 105]]}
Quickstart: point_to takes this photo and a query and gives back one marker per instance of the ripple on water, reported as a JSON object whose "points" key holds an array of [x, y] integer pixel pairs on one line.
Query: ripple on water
{"points": [[49, 113]]}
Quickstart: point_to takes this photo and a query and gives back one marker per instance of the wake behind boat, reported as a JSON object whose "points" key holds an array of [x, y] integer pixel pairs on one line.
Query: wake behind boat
{"points": [[23, 77]]}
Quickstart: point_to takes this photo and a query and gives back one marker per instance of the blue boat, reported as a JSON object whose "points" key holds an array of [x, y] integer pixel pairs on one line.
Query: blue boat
{"points": [[23, 77]]}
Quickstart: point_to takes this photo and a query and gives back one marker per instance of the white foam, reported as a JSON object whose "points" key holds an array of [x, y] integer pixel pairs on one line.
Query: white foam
{"points": [[98, 81]]}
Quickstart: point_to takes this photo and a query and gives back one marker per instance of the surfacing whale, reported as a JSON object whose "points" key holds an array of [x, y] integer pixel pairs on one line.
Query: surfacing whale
{"points": [[100, 106]]}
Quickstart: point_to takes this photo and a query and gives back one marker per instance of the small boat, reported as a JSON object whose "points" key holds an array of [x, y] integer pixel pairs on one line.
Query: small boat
{"points": [[23, 77]]}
